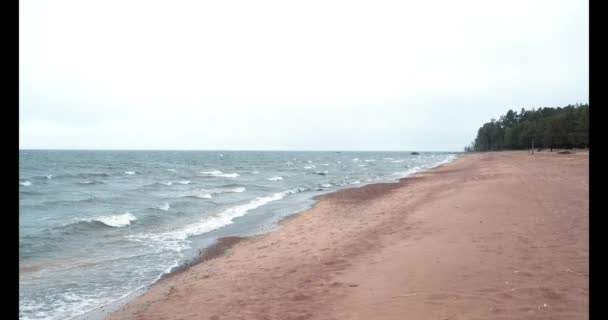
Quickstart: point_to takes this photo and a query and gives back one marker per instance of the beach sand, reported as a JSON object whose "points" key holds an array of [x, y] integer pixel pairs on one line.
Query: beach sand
{"points": [[490, 236]]}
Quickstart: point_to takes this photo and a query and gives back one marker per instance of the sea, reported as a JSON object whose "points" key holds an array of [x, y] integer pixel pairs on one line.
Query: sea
{"points": [[96, 226]]}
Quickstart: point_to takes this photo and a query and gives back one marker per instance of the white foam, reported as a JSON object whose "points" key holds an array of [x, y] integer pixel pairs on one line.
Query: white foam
{"points": [[397, 161], [362, 165], [277, 178], [355, 182], [67, 306], [449, 159], [409, 172], [370, 160], [172, 170], [218, 173], [165, 206], [355, 159], [255, 172], [230, 175], [214, 222], [184, 182], [130, 172], [25, 183], [236, 190], [208, 193], [309, 167], [50, 176], [417, 169], [168, 183], [326, 185], [212, 172], [116, 221]]}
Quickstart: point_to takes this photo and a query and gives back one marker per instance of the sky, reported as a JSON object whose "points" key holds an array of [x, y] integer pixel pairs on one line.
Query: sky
{"points": [[291, 75]]}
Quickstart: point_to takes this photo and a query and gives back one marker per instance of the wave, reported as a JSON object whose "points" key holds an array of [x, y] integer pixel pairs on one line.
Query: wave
{"points": [[409, 172], [25, 183], [82, 175], [172, 170], [168, 183], [326, 185], [235, 190], [130, 172], [212, 172], [397, 161], [216, 221], [218, 173], [70, 176], [448, 159], [32, 193], [165, 206], [90, 182], [115, 221], [277, 178], [355, 182], [209, 193], [309, 167]]}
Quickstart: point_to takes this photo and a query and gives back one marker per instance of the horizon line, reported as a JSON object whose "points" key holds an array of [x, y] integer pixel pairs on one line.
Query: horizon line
{"points": [[229, 150]]}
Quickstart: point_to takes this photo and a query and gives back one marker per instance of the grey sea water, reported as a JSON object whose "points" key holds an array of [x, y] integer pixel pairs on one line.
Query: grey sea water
{"points": [[95, 226]]}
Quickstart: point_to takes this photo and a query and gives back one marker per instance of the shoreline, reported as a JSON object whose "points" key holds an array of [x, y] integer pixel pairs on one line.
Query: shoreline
{"points": [[223, 244], [213, 270]]}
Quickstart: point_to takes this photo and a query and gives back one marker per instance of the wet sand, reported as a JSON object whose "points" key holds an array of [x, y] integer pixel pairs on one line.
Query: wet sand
{"points": [[489, 236]]}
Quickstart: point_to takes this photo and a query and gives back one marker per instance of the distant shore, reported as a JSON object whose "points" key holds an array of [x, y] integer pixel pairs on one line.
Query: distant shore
{"points": [[489, 236]]}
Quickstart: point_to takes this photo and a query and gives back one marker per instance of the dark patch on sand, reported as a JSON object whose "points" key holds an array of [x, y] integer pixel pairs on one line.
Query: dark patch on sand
{"points": [[367, 192], [215, 250]]}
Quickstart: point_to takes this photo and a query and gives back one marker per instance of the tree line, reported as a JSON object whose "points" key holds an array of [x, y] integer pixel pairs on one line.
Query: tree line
{"points": [[564, 128]]}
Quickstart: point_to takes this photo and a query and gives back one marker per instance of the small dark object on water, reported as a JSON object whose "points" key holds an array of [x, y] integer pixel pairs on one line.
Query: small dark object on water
{"points": [[414, 153], [565, 152]]}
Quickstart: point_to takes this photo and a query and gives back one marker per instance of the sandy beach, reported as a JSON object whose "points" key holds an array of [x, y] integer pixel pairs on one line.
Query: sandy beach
{"points": [[490, 236]]}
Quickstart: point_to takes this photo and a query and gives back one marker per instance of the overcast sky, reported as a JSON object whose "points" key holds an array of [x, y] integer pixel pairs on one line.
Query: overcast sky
{"points": [[291, 75]]}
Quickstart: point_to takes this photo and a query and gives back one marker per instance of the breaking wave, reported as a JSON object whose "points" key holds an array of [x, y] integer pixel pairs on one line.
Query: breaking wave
{"points": [[218, 173], [218, 220], [115, 221]]}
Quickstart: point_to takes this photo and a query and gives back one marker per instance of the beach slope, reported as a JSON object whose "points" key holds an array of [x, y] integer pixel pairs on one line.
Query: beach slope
{"points": [[489, 236]]}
